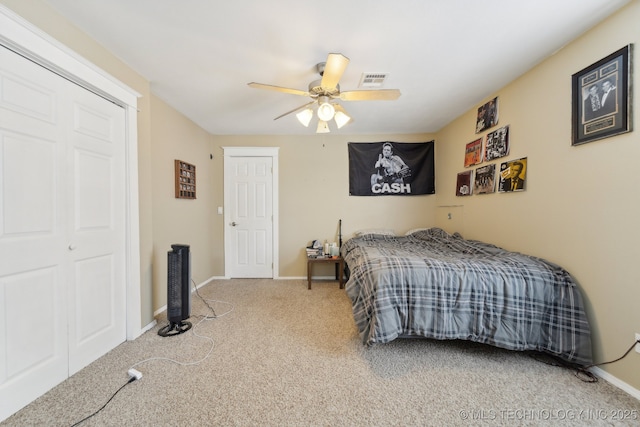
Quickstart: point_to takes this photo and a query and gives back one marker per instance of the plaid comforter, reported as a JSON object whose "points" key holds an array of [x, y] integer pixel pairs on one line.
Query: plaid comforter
{"points": [[441, 286]]}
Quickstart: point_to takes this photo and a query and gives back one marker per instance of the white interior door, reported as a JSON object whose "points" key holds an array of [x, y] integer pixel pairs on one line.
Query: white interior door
{"points": [[249, 218], [33, 277], [96, 223], [62, 290]]}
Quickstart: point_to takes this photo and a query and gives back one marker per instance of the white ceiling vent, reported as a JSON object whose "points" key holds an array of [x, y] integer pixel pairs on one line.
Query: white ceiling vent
{"points": [[373, 80]]}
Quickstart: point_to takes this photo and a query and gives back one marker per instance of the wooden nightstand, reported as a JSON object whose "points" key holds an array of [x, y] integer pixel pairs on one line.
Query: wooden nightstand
{"points": [[338, 261]]}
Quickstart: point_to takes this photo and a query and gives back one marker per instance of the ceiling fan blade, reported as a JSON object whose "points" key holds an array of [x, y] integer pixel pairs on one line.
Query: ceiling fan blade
{"points": [[295, 109], [333, 69], [370, 95], [278, 89]]}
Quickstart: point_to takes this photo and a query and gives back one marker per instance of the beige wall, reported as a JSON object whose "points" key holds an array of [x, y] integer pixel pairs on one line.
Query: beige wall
{"points": [[180, 221], [582, 204], [314, 194], [579, 209]]}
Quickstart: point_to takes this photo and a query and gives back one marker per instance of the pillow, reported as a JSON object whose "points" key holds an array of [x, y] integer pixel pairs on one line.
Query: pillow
{"points": [[382, 231], [415, 230]]}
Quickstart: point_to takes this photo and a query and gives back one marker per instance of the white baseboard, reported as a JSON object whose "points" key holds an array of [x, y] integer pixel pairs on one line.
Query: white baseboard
{"points": [[142, 330], [149, 326], [212, 278], [616, 382]]}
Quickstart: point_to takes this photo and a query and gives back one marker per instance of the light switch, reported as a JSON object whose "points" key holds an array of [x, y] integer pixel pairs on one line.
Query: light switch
{"points": [[219, 210]]}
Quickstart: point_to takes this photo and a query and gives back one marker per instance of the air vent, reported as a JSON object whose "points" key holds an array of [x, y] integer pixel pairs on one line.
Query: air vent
{"points": [[373, 80]]}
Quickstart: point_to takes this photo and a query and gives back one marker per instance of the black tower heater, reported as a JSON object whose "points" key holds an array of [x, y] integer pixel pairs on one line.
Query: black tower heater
{"points": [[178, 291]]}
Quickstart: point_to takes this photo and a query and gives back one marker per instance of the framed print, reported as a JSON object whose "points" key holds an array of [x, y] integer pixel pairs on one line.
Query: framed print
{"points": [[497, 144], [484, 181], [513, 175], [487, 115], [473, 153], [463, 184], [601, 98]]}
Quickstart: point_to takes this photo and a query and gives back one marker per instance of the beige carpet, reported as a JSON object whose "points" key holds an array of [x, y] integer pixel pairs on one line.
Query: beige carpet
{"points": [[281, 355]]}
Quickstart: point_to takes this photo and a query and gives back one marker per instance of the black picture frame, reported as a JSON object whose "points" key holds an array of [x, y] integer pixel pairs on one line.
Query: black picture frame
{"points": [[593, 118]]}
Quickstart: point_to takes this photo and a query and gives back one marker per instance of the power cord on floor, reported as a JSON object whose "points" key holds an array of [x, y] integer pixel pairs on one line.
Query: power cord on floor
{"points": [[204, 301], [202, 319], [132, 379], [173, 328], [196, 362], [582, 372], [589, 376], [136, 375]]}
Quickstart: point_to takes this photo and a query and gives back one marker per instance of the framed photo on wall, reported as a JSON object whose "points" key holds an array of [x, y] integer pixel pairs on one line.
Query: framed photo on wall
{"points": [[487, 115], [497, 144], [513, 175], [463, 184], [601, 98], [484, 181], [473, 153]]}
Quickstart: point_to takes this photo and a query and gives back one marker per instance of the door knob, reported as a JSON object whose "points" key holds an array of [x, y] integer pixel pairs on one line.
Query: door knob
{"points": [[72, 247], [233, 224]]}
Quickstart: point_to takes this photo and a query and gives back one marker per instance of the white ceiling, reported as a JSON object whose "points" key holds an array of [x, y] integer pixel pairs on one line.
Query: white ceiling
{"points": [[445, 57]]}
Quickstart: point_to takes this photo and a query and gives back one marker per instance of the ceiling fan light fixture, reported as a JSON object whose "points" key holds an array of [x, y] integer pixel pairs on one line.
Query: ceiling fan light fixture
{"points": [[305, 116], [341, 117], [325, 94], [326, 111], [323, 127]]}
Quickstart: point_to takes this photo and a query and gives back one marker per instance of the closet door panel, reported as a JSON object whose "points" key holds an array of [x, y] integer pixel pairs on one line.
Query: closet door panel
{"points": [[97, 303], [33, 274], [62, 229]]}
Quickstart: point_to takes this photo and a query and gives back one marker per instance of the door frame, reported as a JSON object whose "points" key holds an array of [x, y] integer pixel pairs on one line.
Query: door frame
{"points": [[22, 37], [272, 152]]}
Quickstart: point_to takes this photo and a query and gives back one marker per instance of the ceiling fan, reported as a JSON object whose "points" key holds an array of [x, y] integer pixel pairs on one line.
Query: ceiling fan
{"points": [[325, 92]]}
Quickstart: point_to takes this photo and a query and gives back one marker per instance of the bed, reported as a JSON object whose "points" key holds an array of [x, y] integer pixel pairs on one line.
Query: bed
{"points": [[441, 286]]}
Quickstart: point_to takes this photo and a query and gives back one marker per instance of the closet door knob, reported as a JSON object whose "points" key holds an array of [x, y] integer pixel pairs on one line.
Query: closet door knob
{"points": [[72, 247]]}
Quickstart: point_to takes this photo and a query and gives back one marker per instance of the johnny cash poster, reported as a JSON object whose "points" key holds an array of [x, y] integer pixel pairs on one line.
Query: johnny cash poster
{"points": [[391, 168]]}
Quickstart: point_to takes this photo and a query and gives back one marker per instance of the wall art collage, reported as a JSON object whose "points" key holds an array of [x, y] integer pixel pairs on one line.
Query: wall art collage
{"points": [[509, 176]]}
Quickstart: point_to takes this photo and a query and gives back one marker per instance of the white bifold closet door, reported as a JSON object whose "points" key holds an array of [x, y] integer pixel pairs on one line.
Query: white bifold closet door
{"points": [[62, 229]]}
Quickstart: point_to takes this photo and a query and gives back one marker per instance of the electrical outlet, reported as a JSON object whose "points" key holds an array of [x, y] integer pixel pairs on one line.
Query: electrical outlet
{"points": [[637, 344]]}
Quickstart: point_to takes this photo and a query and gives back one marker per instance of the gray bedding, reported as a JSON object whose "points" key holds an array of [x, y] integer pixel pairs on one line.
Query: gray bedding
{"points": [[436, 285]]}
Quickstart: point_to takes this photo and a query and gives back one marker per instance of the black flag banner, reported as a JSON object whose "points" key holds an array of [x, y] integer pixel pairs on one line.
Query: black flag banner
{"points": [[391, 168]]}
